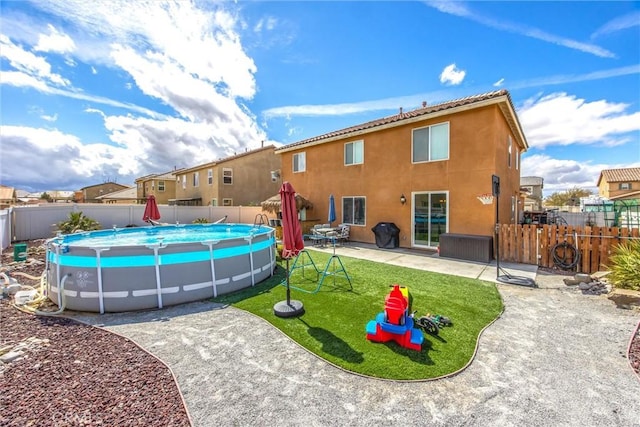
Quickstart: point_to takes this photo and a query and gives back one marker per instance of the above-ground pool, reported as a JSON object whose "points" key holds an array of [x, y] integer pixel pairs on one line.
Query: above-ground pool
{"points": [[152, 267]]}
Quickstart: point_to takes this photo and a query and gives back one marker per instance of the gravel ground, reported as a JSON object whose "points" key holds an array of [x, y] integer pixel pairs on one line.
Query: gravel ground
{"points": [[555, 357]]}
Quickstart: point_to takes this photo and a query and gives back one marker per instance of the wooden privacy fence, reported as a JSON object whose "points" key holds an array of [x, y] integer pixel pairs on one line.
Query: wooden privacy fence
{"points": [[529, 244]]}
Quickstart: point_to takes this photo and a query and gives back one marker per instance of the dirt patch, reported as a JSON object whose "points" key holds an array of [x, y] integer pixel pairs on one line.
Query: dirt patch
{"points": [[75, 374]]}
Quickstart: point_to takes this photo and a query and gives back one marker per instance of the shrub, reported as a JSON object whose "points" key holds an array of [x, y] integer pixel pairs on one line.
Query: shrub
{"points": [[201, 221], [624, 264], [78, 222]]}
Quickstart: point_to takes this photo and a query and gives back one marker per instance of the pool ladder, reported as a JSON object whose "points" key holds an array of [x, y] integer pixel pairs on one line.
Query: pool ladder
{"points": [[259, 220]]}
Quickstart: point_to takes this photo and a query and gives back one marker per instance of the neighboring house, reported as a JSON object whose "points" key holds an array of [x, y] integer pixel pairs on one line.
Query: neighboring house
{"points": [[127, 196], [91, 193], [422, 170], [619, 184], [8, 196], [160, 185], [533, 186], [244, 179]]}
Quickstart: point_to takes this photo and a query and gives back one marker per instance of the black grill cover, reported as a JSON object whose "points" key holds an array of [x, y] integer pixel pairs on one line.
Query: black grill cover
{"points": [[387, 235]]}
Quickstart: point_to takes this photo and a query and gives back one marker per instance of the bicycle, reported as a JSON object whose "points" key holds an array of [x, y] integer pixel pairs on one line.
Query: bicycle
{"points": [[425, 323]]}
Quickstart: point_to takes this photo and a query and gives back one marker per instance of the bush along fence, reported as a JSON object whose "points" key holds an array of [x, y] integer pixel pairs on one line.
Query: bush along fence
{"points": [[580, 249]]}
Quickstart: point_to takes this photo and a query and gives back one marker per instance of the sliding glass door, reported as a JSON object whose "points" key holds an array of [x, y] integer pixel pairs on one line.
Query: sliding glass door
{"points": [[430, 218]]}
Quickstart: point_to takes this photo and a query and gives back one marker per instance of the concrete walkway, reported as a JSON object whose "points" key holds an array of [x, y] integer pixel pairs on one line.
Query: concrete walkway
{"points": [[555, 357]]}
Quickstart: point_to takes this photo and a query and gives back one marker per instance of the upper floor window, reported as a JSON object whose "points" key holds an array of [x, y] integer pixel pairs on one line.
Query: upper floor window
{"points": [[354, 153], [210, 176], [214, 202], [510, 148], [299, 162], [431, 143], [354, 210], [227, 177], [184, 182], [624, 186], [160, 185], [227, 202], [196, 179]]}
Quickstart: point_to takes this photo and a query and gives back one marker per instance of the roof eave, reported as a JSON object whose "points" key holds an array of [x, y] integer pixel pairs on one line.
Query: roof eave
{"points": [[502, 100]]}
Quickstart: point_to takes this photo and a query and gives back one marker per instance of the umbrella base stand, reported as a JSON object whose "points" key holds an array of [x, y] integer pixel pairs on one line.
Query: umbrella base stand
{"points": [[292, 308]]}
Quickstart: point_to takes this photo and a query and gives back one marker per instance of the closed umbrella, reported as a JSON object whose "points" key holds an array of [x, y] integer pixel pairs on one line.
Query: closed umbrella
{"points": [[332, 210], [151, 212], [292, 244]]}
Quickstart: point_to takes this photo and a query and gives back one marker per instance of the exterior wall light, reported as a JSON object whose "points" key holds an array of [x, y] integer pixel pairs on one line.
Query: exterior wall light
{"points": [[403, 199]]}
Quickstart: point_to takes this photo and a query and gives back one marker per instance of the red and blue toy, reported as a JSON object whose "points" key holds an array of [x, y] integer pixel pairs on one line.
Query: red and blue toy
{"points": [[395, 323]]}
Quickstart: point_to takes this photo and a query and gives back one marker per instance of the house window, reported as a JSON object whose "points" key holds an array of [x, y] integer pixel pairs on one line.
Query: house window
{"points": [[160, 185], [354, 153], [624, 186], [517, 159], [299, 162], [196, 179], [431, 143], [509, 151], [513, 209], [354, 210], [153, 186], [227, 202], [184, 182], [227, 176], [214, 202], [210, 176]]}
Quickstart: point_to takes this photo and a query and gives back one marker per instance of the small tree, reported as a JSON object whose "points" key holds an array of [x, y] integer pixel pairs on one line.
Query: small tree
{"points": [[78, 222], [567, 198], [46, 196]]}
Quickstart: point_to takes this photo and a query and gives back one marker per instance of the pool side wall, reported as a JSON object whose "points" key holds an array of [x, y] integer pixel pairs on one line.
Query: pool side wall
{"points": [[129, 280]]}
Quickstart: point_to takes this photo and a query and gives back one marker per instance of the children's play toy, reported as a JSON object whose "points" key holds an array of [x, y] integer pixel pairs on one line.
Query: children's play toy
{"points": [[395, 323]]}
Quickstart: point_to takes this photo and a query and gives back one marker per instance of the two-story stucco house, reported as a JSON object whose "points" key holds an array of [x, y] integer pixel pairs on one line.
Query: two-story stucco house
{"points": [[533, 186], [89, 194], [422, 170], [161, 185], [243, 179], [619, 184]]}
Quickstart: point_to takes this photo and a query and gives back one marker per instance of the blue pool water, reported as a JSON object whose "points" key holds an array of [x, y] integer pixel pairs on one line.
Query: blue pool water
{"points": [[161, 234]]}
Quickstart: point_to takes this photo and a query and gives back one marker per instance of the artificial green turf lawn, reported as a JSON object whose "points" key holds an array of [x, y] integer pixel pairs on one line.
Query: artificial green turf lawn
{"points": [[333, 325]]}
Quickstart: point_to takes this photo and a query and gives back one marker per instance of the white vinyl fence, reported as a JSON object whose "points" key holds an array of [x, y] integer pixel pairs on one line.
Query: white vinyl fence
{"points": [[40, 221], [5, 229]]}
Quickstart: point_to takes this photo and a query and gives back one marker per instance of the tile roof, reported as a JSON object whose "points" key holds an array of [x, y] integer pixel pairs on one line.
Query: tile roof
{"points": [[6, 193], [620, 175], [407, 117]]}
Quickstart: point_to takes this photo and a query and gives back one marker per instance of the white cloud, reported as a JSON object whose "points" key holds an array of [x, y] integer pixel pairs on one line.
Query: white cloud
{"points": [[203, 41], [460, 9], [94, 71], [28, 63], [620, 23], [499, 83], [49, 118], [55, 42], [562, 175], [562, 119], [451, 75]]}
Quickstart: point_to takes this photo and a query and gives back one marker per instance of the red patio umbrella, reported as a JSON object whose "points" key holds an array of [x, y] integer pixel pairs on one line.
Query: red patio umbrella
{"points": [[151, 212], [292, 244]]}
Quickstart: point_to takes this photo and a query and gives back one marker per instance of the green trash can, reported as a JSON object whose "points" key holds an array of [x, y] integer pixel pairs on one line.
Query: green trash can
{"points": [[20, 252]]}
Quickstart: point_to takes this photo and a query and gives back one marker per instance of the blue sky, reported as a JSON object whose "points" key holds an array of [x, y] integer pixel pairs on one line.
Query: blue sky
{"points": [[97, 91]]}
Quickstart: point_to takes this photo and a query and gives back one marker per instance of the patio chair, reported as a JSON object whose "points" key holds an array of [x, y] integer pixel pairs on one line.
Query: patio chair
{"points": [[317, 238], [341, 236]]}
